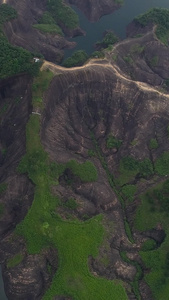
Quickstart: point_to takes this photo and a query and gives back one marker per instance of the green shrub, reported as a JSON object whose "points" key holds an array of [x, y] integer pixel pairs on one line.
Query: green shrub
{"points": [[15, 260], [63, 13], [3, 188], [129, 190], [109, 39], [91, 153], [113, 142], [128, 59], [146, 168], [154, 61], [137, 48], [13, 60], [153, 144], [71, 203], [49, 28], [86, 171], [130, 163], [148, 245], [7, 13], [158, 16], [1, 209], [78, 58], [162, 164], [97, 54]]}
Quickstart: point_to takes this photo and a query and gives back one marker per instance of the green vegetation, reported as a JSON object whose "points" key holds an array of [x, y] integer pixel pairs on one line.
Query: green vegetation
{"points": [[97, 54], [7, 13], [39, 86], [136, 49], [138, 275], [15, 260], [129, 190], [71, 203], [1, 209], [158, 16], [134, 142], [113, 142], [109, 39], [154, 61], [162, 164], [148, 245], [49, 28], [48, 25], [128, 59], [3, 187], [86, 171], [91, 153], [153, 211], [153, 144], [78, 58], [13, 60], [63, 14], [74, 240], [130, 167]]}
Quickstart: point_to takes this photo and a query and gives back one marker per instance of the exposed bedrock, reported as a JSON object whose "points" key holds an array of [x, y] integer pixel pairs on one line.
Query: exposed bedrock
{"points": [[90, 103]]}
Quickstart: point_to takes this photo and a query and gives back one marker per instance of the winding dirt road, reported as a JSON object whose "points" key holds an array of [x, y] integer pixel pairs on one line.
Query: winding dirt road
{"points": [[105, 64]]}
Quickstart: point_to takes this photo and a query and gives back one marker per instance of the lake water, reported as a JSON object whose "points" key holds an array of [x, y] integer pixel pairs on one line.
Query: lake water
{"points": [[116, 22], [2, 292]]}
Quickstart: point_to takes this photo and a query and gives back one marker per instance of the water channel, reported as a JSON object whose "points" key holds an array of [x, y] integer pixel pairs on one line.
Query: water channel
{"points": [[94, 31], [116, 22]]}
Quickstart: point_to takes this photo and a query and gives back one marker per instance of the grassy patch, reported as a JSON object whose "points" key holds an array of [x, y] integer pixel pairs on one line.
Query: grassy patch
{"points": [[154, 61], [128, 191], [157, 260], [130, 167], [128, 59], [3, 187], [136, 49], [15, 260], [49, 28], [40, 84], [74, 240], [113, 142], [148, 245], [162, 164], [71, 203], [1, 209], [153, 144]]}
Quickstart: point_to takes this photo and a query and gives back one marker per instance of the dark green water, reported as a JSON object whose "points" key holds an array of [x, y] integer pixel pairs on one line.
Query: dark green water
{"points": [[2, 293], [116, 22]]}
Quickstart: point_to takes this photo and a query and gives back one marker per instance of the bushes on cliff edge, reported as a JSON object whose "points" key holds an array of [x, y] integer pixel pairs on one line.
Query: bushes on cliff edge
{"points": [[160, 17], [13, 60]]}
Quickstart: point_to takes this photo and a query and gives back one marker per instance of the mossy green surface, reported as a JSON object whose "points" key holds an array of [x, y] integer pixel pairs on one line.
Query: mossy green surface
{"points": [[43, 227], [157, 260], [15, 260]]}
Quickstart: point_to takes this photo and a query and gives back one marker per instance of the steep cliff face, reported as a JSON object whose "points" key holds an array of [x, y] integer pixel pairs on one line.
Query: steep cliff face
{"points": [[94, 10]]}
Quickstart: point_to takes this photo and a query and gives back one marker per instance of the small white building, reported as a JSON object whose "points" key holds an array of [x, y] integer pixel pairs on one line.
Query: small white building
{"points": [[36, 59]]}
